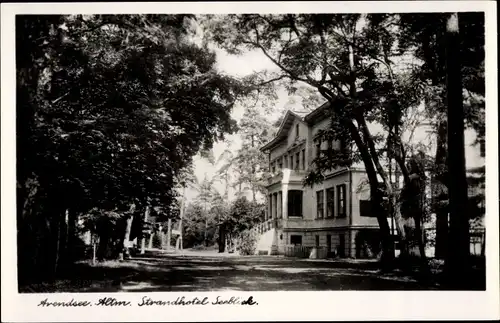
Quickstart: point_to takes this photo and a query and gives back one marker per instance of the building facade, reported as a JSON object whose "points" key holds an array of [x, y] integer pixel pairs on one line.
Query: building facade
{"points": [[332, 217]]}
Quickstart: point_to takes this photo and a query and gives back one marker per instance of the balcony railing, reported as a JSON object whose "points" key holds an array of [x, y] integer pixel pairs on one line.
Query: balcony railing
{"points": [[263, 227], [287, 175]]}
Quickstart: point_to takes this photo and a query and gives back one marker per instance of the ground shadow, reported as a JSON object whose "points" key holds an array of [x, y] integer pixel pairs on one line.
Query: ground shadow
{"points": [[163, 272]]}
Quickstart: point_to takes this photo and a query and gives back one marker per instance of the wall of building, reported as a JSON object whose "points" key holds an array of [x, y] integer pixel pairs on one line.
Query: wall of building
{"points": [[291, 138], [323, 124], [332, 182], [360, 191], [278, 151], [309, 240]]}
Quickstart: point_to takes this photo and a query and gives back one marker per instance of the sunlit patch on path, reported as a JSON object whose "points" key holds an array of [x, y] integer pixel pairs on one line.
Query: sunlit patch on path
{"points": [[167, 272]]}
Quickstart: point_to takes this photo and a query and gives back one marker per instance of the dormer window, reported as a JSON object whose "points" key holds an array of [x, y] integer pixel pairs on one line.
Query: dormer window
{"points": [[297, 130]]}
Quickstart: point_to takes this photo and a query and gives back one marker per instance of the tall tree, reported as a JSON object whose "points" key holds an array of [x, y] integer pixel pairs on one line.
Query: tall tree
{"points": [[110, 108], [336, 55], [458, 255], [427, 34], [251, 164]]}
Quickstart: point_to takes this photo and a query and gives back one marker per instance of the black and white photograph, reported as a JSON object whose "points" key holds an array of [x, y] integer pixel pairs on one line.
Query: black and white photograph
{"points": [[244, 152]]}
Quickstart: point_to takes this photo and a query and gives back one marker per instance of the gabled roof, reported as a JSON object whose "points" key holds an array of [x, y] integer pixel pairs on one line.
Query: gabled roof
{"points": [[290, 116], [285, 125], [317, 114]]}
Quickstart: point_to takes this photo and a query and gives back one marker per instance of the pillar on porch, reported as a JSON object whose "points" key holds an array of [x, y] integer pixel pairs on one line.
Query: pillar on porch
{"points": [[280, 205], [270, 206], [275, 203], [284, 205]]}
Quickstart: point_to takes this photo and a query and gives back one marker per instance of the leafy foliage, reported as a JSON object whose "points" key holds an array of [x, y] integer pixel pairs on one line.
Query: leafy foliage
{"points": [[247, 243], [250, 163], [110, 110]]}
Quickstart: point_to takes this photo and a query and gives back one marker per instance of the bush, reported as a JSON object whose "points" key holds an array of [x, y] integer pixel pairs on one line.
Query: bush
{"points": [[247, 243]]}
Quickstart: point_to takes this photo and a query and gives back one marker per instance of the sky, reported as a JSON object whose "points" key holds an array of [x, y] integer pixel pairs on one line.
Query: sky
{"points": [[255, 61], [237, 66]]}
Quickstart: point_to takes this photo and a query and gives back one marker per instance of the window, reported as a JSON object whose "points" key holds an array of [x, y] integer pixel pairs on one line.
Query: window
{"points": [[318, 148], [330, 202], [297, 130], [295, 203], [295, 239], [317, 241], [303, 159], [365, 208], [297, 160], [320, 204], [291, 161], [341, 195], [285, 161], [330, 146], [273, 169], [280, 165]]}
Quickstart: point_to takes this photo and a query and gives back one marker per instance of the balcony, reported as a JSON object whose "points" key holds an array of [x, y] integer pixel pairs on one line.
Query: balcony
{"points": [[287, 175]]}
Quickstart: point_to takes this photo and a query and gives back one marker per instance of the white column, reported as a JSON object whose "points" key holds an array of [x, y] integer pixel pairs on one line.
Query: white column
{"points": [[280, 204], [284, 206], [271, 206], [275, 213]]}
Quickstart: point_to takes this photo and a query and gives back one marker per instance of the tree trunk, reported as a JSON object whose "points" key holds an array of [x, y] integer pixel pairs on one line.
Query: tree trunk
{"points": [[222, 239], [420, 234], [143, 239], [400, 228], [456, 265], [179, 243], [169, 233], [394, 205], [205, 236], [102, 250], [387, 257], [150, 243], [376, 200], [128, 230], [72, 236], [58, 245], [438, 193]]}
